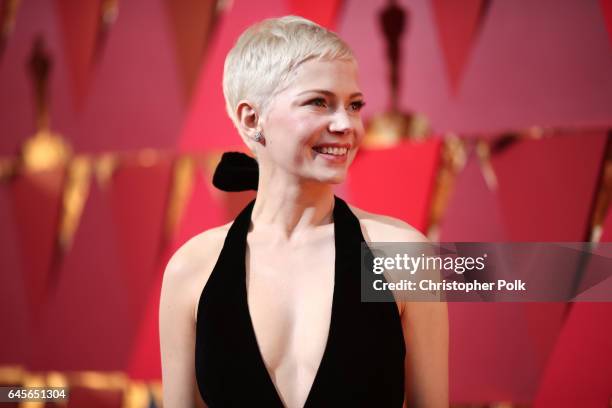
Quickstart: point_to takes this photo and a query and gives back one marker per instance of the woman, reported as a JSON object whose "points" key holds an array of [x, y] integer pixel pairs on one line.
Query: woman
{"points": [[301, 337]]}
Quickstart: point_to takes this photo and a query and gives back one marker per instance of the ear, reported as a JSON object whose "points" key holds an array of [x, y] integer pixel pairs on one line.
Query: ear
{"points": [[248, 122]]}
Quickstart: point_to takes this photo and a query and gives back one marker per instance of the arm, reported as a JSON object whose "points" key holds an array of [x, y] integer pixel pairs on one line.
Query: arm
{"points": [[425, 327], [177, 335], [425, 323]]}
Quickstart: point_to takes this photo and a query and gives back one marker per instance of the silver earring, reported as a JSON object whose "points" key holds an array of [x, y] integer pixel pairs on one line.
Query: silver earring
{"points": [[258, 137]]}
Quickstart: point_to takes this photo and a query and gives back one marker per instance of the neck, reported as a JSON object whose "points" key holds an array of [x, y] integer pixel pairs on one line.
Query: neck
{"points": [[291, 204]]}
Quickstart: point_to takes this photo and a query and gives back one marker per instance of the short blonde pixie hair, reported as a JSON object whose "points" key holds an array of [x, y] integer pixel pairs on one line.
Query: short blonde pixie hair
{"points": [[263, 58]]}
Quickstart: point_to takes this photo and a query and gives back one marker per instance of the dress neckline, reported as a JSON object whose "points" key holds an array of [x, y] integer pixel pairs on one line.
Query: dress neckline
{"points": [[242, 225]]}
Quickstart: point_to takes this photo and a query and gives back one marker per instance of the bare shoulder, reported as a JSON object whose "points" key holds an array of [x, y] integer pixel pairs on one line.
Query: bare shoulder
{"points": [[382, 228], [190, 266], [184, 278], [197, 250]]}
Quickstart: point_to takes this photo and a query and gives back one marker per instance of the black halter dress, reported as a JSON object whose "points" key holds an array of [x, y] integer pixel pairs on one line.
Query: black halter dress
{"points": [[363, 361]]}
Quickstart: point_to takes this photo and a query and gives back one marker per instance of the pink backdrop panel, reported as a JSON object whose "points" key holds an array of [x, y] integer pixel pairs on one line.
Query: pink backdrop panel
{"points": [[497, 353], [547, 186], [606, 8], [323, 12], [17, 103], [191, 24], [458, 25], [138, 195], [472, 213], [546, 190], [93, 398], [135, 95], [492, 354], [202, 211], [37, 204], [15, 317], [397, 181], [580, 367], [78, 22], [527, 66], [145, 357], [208, 207], [85, 325], [596, 280], [607, 227]]}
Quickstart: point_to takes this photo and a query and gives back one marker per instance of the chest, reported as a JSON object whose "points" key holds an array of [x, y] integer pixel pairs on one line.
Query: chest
{"points": [[289, 294]]}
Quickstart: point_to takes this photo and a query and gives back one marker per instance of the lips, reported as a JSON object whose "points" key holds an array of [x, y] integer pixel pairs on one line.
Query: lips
{"points": [[332, 153], [332, 149]]}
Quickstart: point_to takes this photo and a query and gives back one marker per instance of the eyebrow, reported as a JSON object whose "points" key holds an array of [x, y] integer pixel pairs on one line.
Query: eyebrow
{"points": [[328, 93]]}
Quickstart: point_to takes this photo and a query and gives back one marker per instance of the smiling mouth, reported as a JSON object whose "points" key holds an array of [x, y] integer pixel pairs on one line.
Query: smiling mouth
{"points": [[332, 151]]}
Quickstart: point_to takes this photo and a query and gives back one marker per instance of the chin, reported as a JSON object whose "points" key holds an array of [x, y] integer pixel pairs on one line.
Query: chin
{"points": [[327, 175], [334, 179]]}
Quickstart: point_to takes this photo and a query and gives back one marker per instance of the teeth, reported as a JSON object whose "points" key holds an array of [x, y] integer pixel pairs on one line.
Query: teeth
{"points": [[336, 151]]}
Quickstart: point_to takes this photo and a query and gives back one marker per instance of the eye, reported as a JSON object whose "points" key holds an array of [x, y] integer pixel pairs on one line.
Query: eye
{"points": [[357, 106], [319, 102]]}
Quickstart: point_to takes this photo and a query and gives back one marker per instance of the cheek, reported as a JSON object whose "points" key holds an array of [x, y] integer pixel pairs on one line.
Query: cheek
{"points": [[291, 143], [359, 132], [306, 132]]}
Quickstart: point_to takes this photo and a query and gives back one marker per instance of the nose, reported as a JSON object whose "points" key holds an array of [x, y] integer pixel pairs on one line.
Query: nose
{"points": [[340, 122]]}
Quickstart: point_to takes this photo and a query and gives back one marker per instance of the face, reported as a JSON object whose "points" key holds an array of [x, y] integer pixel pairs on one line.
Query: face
{"points": [[313, 127]]}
